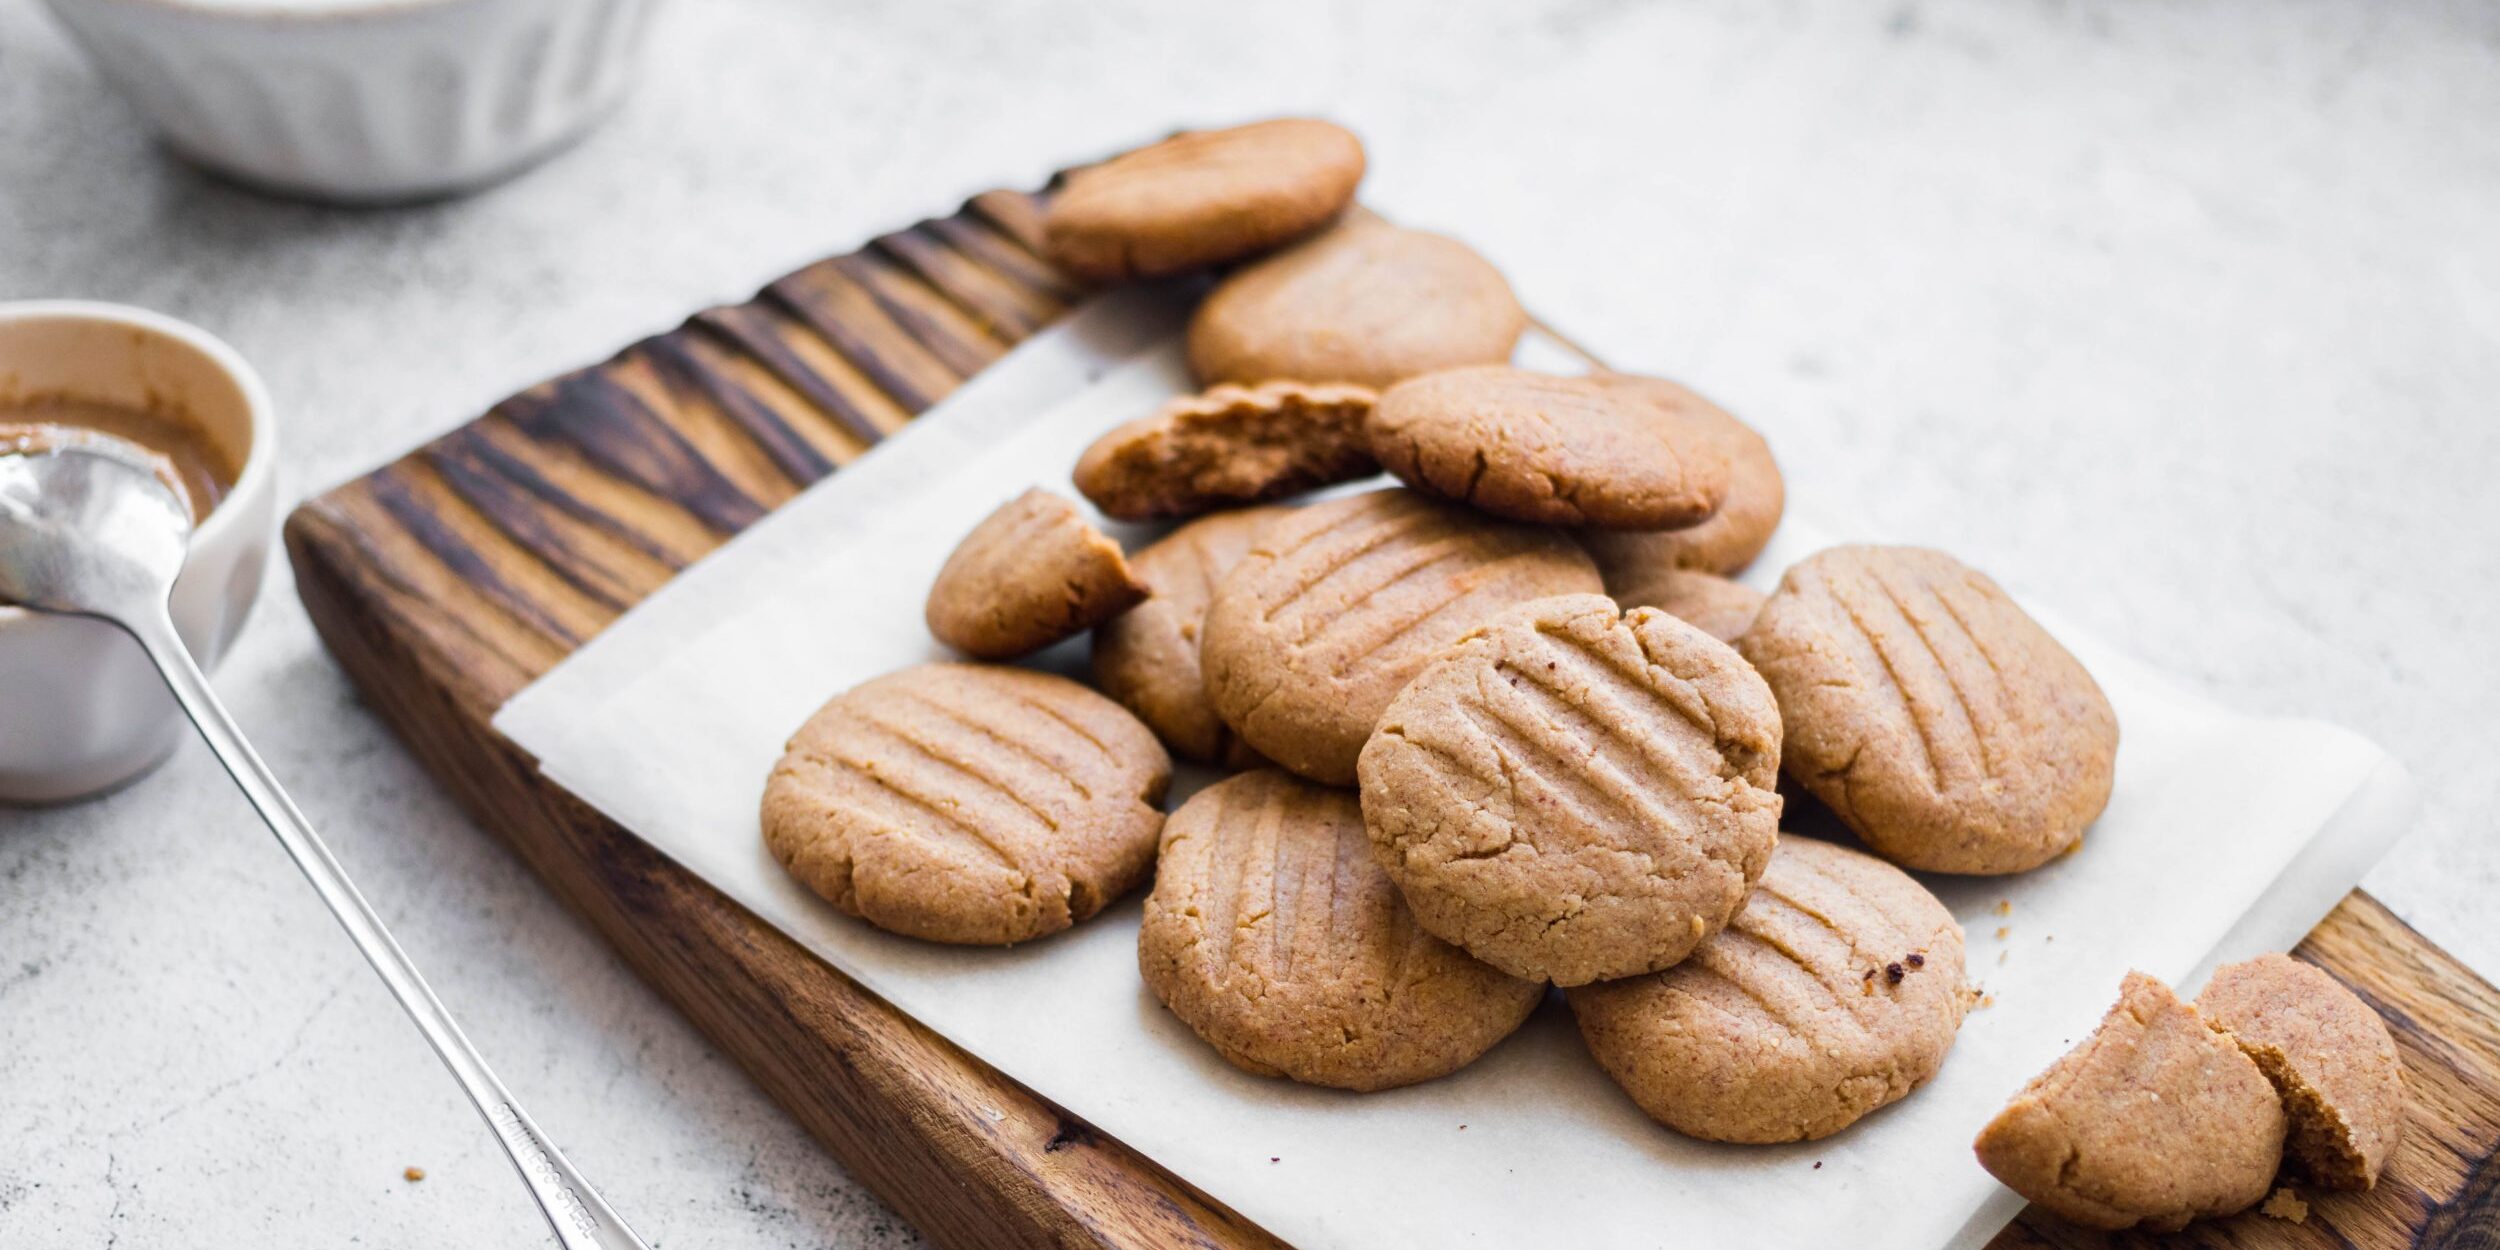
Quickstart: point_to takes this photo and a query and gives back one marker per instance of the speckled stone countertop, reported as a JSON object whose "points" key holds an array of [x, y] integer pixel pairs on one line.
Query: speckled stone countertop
{"points": [[2185, 321]]}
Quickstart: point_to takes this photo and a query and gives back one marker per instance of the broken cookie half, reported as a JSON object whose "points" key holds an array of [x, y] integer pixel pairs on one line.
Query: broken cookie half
{"points": [[2329, 1056], [2155, 1119]]}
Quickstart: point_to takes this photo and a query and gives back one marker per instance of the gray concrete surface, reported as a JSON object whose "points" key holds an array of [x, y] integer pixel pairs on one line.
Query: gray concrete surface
{"points": [[2183, 318]]}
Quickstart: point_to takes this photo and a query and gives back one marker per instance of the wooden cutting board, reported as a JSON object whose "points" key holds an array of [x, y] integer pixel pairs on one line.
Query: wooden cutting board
{"points": [[446, 581]]}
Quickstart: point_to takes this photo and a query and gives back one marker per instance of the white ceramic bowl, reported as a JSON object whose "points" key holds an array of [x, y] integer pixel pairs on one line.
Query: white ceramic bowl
{"points": [[81, 709], [365, 100]]}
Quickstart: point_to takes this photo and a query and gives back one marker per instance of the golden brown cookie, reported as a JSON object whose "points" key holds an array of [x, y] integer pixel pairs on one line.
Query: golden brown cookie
{"points": [[1272, 934], [1229, 446], [1337, 605], [2330, 1057], [1147, 658], [1573, 794], [1931, 713], [1718, 607], [1030, 574], [1366, 302], [1552, 450], [1835, 991], [968, 804], [1733, 536], [2155, 1119], [1201, 198]]}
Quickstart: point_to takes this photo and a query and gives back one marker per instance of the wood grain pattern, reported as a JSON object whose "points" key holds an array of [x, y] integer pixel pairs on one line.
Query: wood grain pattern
{"points": [[447, 580]]}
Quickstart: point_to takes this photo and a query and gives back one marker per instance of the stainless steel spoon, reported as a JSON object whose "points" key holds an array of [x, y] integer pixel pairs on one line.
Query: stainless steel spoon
{"points": [[89, 530]]}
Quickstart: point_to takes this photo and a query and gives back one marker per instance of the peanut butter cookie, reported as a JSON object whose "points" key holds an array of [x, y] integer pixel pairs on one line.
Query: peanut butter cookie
{"points": [[2155, 1119], [1573, 793], [1931, 713], [1147, 658], [1553, 450], [1230, 446], [1835, 991], [1272, 934], [2329, 1057], [1201, 198], [968, 804], [1366, 302], [1030, 574], [1339, 604], [1720, 608], [1731, 538]]}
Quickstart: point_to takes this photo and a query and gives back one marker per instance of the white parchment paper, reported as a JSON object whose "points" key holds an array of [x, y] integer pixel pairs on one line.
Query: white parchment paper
{"points": [[2227, 835]]}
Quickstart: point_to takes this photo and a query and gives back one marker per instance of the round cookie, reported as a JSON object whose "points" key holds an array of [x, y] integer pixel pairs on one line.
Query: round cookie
{"points": [[1339, 604], [1574, 793], [2329, 1057], [1147, 657], [1721, 608], [1030, 574], [2154, 1119], [968, 804], [1552, 450], [1273, 936], [1835, 991], [1366, 302], [1229, 446], [1732, 537], [1201, 198], [1940, 722]]}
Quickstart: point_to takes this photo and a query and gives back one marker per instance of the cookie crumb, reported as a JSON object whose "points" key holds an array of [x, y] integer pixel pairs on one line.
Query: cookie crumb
{"points": [[2005, 907], [1986, 1001], [2002, 932], [1274, 1158], [2001, 956], [1818, 1165], [2284, 1204], [414, 1174]]}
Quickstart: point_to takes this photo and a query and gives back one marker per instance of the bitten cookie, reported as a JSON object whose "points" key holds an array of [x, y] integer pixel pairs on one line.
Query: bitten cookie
{"points": [[1231, 445], [1573, 794], [1553, 450], [2155, 1119], [968, 804], [2329, 1057], [1733, 536], [1366, 302], [1147, 658], [1931, 713], [1030, 574], [1339, 604], [1273, 936], [1835, 991], [1201, 198], [1718, 607]]}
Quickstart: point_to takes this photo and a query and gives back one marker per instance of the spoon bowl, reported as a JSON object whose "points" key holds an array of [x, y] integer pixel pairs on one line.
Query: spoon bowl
{"points": [[88, 528]]}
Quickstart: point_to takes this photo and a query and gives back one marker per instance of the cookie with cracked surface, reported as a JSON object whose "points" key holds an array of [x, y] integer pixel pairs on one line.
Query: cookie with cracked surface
{"points": [[1941, 723], [1339, 604], [2154, 1119], [1731, 538], [1201, 198], [968, 804], [1032, 573], [1576, 793], [1274, 937], [2330, 1057], [1721, 608], [1228, 446], [1836, 991], [1365, 302], [1147, 657], [1552, 450]]}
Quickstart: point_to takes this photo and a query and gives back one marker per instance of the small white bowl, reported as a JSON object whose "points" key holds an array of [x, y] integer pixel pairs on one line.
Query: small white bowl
{"points": [[365, 101], [81, 709]]}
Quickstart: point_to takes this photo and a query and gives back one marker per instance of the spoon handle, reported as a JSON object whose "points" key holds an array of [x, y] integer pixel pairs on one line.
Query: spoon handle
{"points": [[581, 1218]]}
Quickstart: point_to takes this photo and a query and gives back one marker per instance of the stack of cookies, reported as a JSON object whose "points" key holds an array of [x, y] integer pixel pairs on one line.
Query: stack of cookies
{"points": [[1503, 725]]}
